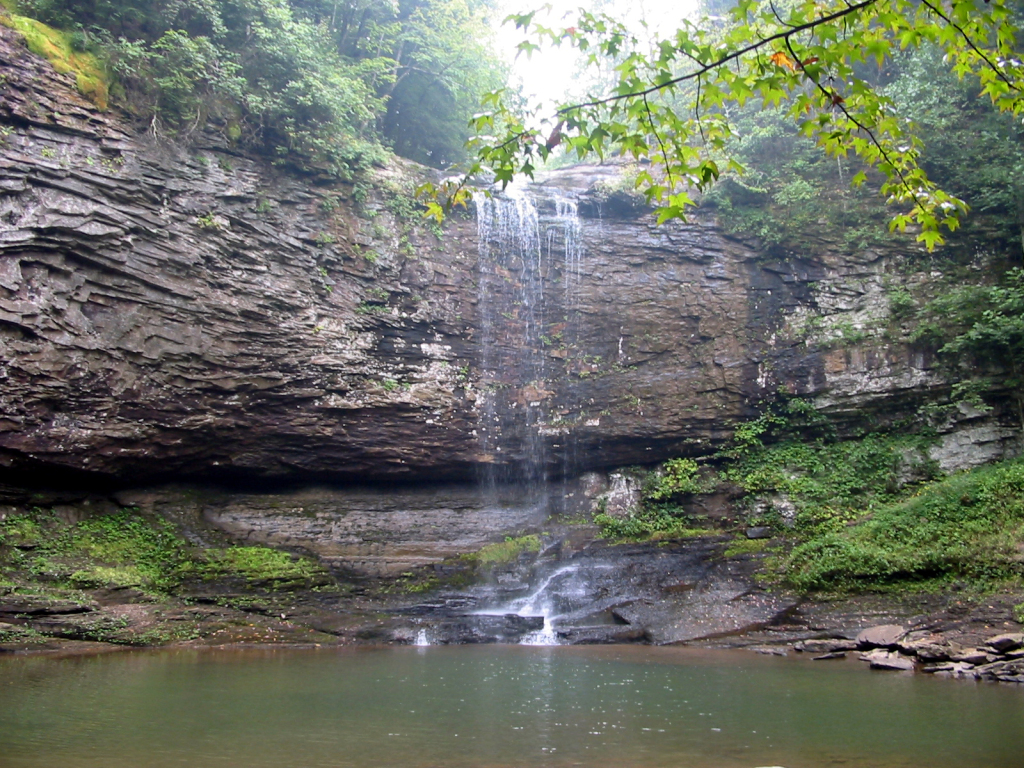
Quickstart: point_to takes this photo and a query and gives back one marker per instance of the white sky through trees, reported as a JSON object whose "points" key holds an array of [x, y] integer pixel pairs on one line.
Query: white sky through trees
{"points": [[549, 74]]}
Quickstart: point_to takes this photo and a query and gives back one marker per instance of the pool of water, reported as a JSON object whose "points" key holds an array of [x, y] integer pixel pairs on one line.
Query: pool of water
{"points": [[494, 707]]}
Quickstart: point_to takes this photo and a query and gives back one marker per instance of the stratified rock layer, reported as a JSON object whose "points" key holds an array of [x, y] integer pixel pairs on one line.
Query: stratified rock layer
{"points": [[191, 311]]}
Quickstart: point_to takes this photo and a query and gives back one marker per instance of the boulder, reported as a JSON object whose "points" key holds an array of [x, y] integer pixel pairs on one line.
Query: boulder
{"points": [[825, 645], [891, 661], [882, 636], [926, 651], [958, 669], [1004, 671], [973, 656], [1007, 642]]}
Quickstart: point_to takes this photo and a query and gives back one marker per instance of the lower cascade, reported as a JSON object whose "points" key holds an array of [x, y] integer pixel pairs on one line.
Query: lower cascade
{"points": [[556, 595]]}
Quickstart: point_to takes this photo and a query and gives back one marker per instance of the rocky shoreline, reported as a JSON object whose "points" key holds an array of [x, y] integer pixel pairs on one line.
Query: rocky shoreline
{"points": [[893, 647], [946, 635]]}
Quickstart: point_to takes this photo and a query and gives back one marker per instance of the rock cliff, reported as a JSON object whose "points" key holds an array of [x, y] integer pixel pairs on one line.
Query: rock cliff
{"points": [[176, 308]]}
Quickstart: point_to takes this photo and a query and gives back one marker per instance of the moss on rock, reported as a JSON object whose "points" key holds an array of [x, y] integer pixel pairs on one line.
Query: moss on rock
{"points": [[55, 46]]}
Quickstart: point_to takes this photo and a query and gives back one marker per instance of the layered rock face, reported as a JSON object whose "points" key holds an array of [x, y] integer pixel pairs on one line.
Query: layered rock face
{"points": [[185, 310]]}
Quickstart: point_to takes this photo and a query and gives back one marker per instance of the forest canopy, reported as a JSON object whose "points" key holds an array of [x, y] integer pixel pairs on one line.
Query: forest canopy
{"points": [[327, 82], [674, 101]]}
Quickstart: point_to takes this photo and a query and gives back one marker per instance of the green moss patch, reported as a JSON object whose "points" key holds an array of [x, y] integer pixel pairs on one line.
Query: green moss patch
{"points": [[128, 549], [55, 47], [260, 564], [744, 546], [508, 550]]}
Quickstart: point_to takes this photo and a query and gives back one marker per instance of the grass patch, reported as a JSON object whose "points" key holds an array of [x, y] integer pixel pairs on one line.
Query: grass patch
{"points": [[507, 551], [55, 47], [104, 576], [745, 546], [967, 527], [831, 484], [260, 564], [652, 522], [120, 549]]}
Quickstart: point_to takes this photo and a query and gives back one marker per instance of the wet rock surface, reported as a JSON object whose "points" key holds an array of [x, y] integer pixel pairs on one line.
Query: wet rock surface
{"points": [[672, 592], [356, 532]]}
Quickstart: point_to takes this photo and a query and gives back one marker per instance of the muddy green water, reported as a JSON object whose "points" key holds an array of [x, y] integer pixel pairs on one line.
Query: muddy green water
{"points": [[490, 707]]}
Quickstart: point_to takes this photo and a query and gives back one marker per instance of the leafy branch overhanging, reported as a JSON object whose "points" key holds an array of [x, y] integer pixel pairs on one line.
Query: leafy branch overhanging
{"points": [[671, 104]]}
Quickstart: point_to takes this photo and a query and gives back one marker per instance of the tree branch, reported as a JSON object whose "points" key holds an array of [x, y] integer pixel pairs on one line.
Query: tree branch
{"points": [[856, 122], [737, 54], [992, 65]]}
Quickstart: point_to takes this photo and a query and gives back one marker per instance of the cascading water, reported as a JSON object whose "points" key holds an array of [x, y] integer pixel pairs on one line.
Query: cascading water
{"points": [[523, 318], [422, 638], [520, 321], [512, 317]]}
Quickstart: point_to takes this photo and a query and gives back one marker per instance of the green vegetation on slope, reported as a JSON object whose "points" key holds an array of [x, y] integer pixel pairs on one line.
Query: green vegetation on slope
{"points": [[978, 330], [57, 48], [864, 514], [969, 526], [327, 84], [789, 451]]}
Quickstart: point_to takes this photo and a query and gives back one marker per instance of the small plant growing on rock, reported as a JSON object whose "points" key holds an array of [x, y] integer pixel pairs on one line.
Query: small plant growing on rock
{"points": [[677, 478], [507, 551], [207, 221]]}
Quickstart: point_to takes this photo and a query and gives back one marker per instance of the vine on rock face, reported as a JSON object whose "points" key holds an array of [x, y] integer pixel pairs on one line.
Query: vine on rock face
{"points": [[671, 106]]}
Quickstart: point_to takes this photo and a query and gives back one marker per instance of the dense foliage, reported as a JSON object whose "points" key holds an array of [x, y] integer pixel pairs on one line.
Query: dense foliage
{"points": [[675, 100], [329, 83], [969, 526], [789, 188], [864, 514]]}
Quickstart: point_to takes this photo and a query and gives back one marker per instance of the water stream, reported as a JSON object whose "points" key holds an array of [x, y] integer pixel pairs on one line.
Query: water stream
{"points": [[494, 707]]}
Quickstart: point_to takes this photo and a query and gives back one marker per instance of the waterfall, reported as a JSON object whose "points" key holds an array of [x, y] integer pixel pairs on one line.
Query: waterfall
{"points": [[567, 220], [422, 638], [512, 318], [528, 322], [567, 224]]}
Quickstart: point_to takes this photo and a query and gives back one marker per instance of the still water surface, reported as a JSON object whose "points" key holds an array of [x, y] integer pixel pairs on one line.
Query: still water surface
{"points": [[494, 707]]}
